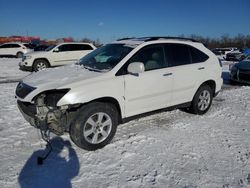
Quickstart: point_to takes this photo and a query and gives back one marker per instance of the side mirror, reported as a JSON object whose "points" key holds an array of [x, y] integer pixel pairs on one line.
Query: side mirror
{"points": [[136, 68], [56, 50]]}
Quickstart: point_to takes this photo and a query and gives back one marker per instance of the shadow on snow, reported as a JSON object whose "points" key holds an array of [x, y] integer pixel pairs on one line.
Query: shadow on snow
{"points": [[57, 171]]}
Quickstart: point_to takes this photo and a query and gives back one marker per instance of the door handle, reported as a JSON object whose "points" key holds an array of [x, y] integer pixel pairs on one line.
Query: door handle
{"points": [[168, 74], [201, 68]]}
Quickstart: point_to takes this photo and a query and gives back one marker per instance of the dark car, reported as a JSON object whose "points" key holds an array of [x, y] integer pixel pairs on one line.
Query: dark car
{"points": [[41, 48], [240, 72]]}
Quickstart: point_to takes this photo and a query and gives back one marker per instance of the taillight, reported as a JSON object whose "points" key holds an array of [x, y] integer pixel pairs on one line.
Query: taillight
{"points": [[220, 62]]}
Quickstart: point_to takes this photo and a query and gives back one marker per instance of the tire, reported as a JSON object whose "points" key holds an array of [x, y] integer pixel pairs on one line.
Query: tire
{"points": [[94, 125], [40, 64], [202, 100], [232, 82], [19, 54]]}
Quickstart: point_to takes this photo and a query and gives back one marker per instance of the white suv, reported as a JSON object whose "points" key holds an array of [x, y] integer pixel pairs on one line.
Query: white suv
{"points": [[55, 55], [14, 49], [119, 81]]}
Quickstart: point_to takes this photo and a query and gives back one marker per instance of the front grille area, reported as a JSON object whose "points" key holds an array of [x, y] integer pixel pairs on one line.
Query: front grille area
{"points": [[244, 75], [22, 90]]}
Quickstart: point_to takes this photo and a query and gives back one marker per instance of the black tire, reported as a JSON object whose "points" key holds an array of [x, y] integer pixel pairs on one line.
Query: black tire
{"points": [[232, 82], [78, 129], [19, 54], [40, 64], [196, 106]]}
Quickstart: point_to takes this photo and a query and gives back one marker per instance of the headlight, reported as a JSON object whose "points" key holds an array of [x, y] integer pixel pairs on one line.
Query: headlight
{"points": [[234, 69], [28, 57], [51, 97]]}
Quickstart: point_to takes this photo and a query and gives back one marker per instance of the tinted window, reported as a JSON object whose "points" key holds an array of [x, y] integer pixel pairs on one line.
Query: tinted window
{"points": [[197, 56], [177, 54], [74, 47], [66, 47], [4, 46], [152, 57], [83, 47], [30, 46], [15, 46], [10, 46]]}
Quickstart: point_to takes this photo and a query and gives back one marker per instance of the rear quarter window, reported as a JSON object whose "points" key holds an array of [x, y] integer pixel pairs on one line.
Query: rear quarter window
{"points": [[84, 47], [197, 56]]}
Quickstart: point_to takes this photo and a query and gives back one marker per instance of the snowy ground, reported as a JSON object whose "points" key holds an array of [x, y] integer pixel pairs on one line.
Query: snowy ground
{"points": [[9, 70], [169, 149]]}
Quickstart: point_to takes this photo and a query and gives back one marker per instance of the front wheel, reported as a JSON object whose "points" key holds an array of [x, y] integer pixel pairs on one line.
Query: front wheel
{"points": [[94, 126], [202, 100], [19, 55], [40, 64]]}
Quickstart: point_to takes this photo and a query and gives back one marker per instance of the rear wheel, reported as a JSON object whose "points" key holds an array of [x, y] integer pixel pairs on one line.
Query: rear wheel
{"points": [[94, 126], [202, 100], [19, 54], [40, 64]]}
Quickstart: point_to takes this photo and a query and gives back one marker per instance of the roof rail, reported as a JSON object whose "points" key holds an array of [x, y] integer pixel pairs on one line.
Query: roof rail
{"points": [[126, 38], [159, 37]]}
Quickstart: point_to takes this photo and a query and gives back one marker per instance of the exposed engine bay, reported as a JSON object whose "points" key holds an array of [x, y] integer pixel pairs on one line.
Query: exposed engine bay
{"points": [[45, 115]]}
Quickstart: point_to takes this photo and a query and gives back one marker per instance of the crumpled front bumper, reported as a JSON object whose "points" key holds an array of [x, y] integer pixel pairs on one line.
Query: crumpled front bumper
{"points": [[28, 111]]}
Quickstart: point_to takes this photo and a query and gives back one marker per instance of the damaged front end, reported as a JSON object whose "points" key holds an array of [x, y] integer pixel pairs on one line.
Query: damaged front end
{"points": [[44, 113]]}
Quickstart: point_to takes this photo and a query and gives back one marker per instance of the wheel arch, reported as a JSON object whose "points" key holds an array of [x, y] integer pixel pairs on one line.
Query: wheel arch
{"points": [[108, 100], [211, 84], [113, 101], [45, 59]]}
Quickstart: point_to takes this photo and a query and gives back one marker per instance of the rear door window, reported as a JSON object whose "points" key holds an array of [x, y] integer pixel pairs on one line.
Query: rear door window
{"points": [[15, 46], [177, 54]]}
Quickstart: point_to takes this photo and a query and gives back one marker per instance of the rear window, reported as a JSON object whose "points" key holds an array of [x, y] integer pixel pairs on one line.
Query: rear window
{"points": [[28, 46]]}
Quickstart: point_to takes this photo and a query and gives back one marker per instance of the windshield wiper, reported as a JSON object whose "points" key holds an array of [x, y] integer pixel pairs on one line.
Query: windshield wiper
{"points": [[92, 69]]}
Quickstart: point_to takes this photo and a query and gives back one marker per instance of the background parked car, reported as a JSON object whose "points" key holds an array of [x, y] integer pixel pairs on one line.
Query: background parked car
{"points": [[240, 72], [223, 51], [55, 55], [247, 57], [41, 47], [15, 49], [233, 56], [238, 55]]}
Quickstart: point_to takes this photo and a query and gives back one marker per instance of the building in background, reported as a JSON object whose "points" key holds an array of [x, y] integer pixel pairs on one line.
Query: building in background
{"points": [[34, 40]]}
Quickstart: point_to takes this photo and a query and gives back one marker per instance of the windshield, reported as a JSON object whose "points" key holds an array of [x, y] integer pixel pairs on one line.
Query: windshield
{"points": [[106, 57], [50, 48]]}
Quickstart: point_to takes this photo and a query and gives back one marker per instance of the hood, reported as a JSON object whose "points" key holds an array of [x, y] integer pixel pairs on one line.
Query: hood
{"points": [[58, 77], [244, 65], [37, 53]]}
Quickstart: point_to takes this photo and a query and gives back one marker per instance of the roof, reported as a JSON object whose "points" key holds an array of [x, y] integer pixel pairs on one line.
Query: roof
{"points": [[146, 39]]}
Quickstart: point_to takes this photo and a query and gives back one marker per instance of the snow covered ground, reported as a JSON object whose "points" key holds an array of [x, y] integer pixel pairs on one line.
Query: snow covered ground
{"points": [[9, 70], [169, 149]]}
